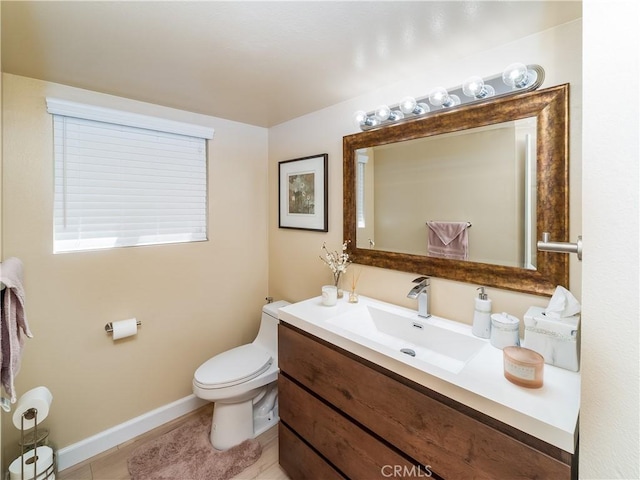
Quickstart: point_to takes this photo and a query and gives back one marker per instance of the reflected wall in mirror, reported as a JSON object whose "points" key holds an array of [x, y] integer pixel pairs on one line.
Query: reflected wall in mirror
{"points": [[483, 176], [500, 165]]}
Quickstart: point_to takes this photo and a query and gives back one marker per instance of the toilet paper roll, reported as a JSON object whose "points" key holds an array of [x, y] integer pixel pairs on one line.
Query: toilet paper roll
{"points": [[25, 463], [125, 328], [39, 398]]}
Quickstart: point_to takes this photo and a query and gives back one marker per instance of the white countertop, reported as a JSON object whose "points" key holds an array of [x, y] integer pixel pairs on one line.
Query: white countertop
{"points": [[549, 413]]}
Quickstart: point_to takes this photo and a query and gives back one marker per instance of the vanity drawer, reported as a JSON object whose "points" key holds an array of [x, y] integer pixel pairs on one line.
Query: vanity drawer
{"points": [[412, 418], [299, 460], [352, 450]]}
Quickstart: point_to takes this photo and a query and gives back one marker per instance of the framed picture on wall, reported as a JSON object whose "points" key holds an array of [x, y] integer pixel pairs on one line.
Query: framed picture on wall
{"points": [[302, 193]]}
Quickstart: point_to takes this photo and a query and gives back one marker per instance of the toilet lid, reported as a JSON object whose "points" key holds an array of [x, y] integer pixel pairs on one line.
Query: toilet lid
{"points": [[232, 367]]}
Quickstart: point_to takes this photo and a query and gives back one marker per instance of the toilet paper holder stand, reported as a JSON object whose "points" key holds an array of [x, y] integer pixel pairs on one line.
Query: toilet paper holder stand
{"points": [[109, 326], [49, 472]]}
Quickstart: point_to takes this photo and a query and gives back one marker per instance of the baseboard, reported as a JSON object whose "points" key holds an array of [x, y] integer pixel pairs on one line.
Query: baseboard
{"points": [[91, 446]]}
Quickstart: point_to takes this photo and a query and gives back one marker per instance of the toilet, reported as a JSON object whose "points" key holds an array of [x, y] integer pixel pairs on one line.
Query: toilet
{"points": [[242, 384]]}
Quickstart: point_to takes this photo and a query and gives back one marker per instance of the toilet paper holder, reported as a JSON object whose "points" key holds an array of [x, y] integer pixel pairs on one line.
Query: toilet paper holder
{"points": [[28, 460], [109, 326]]}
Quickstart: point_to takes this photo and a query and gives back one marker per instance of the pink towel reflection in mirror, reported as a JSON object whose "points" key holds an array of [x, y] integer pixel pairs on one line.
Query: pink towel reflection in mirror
{"points": [[448, 240]]}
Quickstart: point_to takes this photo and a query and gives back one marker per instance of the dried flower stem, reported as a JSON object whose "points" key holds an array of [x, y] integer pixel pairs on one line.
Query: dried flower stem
{"points": [[337, 262]]}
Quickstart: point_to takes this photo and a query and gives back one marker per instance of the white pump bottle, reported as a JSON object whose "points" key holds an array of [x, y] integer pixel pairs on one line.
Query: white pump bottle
{"points": [[482, 315]]}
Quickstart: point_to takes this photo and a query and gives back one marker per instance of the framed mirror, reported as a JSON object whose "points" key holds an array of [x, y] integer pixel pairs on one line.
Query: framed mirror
{"points": [[500, 166]]}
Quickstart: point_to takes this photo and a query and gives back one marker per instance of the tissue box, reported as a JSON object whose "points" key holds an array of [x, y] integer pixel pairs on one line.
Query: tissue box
{"points": [[556, 339]]}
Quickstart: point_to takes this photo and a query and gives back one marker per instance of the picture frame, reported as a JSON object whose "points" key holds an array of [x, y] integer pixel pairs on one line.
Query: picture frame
{"points": [[303, 201]]}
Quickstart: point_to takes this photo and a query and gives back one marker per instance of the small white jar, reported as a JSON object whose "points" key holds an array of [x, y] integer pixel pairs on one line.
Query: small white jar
{"points": [[505, 330]]}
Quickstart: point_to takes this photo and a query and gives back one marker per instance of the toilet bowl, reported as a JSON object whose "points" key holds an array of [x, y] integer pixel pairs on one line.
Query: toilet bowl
{"points": [[242, 384]]}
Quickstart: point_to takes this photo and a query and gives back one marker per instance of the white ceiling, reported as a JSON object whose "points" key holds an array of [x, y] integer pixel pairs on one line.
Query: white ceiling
{"points": [[260, 63]]}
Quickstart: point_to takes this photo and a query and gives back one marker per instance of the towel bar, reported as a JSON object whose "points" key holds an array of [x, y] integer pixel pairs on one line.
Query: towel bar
{"points": [[109, 326], [545, 245], [469, 225]]}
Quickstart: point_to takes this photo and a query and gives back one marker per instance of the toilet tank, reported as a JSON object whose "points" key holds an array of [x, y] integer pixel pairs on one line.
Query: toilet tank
{"points": [[268, 333]]}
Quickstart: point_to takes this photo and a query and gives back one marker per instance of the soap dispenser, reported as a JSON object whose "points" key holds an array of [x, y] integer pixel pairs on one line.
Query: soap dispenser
{"points": [[482, 315]]}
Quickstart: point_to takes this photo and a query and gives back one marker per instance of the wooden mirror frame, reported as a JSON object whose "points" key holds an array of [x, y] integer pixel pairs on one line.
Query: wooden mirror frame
{"points": [[551, 109]]}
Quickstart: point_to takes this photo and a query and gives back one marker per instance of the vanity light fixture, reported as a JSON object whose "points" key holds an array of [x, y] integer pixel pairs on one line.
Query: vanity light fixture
{"points": [[516, 78]]}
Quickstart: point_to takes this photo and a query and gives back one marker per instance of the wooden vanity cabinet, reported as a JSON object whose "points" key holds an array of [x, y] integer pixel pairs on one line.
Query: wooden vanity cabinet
{"points": [[344, 417]]}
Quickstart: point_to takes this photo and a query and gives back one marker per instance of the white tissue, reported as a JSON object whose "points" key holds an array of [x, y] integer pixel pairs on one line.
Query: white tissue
{"points": [[562, 304]]}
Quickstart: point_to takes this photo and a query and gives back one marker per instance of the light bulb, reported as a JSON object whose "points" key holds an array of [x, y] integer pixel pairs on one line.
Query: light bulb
{"points": [[382, 113], [372, 121], [361, 119], [476, 88], [453, 101], [517, 75], [421, 108], [396, 115], [408, 105], [439, 97]]}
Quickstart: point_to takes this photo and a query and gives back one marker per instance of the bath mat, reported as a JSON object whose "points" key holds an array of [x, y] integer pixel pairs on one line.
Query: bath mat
{"points": [[185, 453]]}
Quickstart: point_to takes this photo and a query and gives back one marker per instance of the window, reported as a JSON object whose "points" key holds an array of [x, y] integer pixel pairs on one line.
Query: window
{"points": [[125, 180]]}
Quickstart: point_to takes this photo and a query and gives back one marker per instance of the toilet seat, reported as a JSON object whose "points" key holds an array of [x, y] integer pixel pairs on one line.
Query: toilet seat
{"points": [[233, 367]]}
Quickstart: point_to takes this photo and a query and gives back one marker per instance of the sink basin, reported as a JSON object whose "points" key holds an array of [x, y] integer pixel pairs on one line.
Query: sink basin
{"points": [[412, 338]]}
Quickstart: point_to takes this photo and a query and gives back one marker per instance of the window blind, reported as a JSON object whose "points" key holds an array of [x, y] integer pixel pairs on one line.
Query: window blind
{"points": [[360, 171], [120, 185]]}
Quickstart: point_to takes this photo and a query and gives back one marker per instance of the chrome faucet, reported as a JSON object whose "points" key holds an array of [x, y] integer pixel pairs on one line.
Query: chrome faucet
{"points": [[421, 292]]}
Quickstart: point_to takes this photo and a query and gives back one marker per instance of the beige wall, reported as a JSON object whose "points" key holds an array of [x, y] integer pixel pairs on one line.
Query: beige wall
{"points": [[295, 272], [194, 300]]}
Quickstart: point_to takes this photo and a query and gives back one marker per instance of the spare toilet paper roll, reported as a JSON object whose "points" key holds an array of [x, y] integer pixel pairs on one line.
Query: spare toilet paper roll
{"points": [[39, 398], [125, 328], [25, 463]]}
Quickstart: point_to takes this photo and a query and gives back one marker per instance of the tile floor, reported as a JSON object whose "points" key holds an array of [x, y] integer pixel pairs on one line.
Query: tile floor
{"points": [[112, 464]]}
